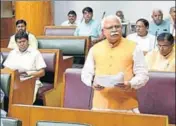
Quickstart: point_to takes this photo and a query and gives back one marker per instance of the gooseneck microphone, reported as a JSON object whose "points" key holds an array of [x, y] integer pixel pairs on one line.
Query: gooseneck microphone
{"points": [[103, 14]]}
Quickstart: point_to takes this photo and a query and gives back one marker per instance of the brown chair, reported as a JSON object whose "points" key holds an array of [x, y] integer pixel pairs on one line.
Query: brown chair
{"points": [[59, 30], [158, 95]]}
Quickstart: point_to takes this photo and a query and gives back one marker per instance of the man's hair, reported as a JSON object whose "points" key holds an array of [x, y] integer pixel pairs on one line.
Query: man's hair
{"points": [[20, 35], [145, 22], [21, 22], [88, 9], [119, 11], [171, 9], [166, 36], [72, 12], [157, 10], [110, 17]]}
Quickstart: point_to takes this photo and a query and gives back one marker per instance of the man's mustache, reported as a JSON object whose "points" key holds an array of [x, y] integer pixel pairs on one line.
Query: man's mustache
{"points": [[114, 33]]}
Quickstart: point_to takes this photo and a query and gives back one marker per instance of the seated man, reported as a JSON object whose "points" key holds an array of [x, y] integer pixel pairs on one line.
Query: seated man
{"points": [[27, 60], [88, 26], [71, 19], [172, 20], [145, 40], [21, 26], [163, 58], [158, 25]]}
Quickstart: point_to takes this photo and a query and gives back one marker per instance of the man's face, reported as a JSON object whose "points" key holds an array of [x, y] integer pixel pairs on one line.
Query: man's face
{"points": [[87, 16], [112, 30], [22, 44], [164, 47], [71, 18], [173, 14], [21, 27], [157, 17], [141, 29]]}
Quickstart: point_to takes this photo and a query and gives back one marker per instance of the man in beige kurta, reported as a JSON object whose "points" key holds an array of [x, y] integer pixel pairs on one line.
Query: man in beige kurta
{"points": [[163, 58]]}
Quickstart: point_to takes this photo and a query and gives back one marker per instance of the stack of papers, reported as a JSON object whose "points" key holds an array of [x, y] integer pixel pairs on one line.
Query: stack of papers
{"points": [[109, 80]]}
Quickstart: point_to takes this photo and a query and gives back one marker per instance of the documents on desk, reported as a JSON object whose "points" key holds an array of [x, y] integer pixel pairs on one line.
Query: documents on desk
{"points": [[109, 80]]}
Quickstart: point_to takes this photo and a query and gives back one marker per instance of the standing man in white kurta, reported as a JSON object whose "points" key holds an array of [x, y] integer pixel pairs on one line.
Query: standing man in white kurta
{"points": [[26, 59]]}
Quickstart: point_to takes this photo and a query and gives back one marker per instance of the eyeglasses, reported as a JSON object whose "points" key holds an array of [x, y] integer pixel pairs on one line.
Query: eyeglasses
{"points": [[111, 27], [163, 46]]}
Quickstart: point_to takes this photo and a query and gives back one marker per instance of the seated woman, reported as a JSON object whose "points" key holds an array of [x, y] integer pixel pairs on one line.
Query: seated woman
{"points": [[27, 60], [163, 58]]}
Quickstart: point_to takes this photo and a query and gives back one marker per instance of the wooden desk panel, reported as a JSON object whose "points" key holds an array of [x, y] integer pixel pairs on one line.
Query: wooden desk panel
{"points": [[4, 43], [31, 114]]}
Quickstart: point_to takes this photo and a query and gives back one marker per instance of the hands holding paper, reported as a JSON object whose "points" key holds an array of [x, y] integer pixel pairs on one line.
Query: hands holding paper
{"points": [[98, 87], [124, 86], [100, 82]]}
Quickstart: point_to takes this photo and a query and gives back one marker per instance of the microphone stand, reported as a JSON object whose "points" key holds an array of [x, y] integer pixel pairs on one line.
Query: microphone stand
{"points": [[156, 34]]}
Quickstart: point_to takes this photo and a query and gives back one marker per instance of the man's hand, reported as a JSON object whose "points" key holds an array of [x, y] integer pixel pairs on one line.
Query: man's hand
{"points": [[24, 74], [124, 86], [98, 87]]}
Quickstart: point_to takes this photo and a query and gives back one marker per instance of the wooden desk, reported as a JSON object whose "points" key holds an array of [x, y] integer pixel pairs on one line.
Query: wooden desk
{"points": [[31, 114], [20, 91]]}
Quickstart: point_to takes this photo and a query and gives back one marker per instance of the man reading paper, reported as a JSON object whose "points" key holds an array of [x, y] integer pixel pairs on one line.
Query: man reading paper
{"points": [[113, 56]]}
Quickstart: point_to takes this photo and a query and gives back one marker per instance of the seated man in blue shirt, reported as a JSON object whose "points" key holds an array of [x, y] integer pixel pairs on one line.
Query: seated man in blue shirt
{"points": [[158, 25], [172, 20], [88, 26]]}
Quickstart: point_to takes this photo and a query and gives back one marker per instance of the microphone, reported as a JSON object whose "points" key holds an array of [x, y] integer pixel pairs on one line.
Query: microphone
{"points": [[103, 14], [156, 34]]}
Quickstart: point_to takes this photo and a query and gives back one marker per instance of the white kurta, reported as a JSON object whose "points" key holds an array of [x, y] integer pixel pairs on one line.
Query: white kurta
{"points": [[29, 61], [146, 43]]}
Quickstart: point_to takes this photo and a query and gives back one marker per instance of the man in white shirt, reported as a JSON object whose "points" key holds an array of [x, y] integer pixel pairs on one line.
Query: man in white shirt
{"points": [[111, 57], [27, 60], [145, 40], [172, 20], [21, 26], [71, 19]]}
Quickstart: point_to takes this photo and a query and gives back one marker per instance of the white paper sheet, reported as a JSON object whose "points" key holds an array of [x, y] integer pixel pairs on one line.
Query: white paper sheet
{"points": [[109, 80]]}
